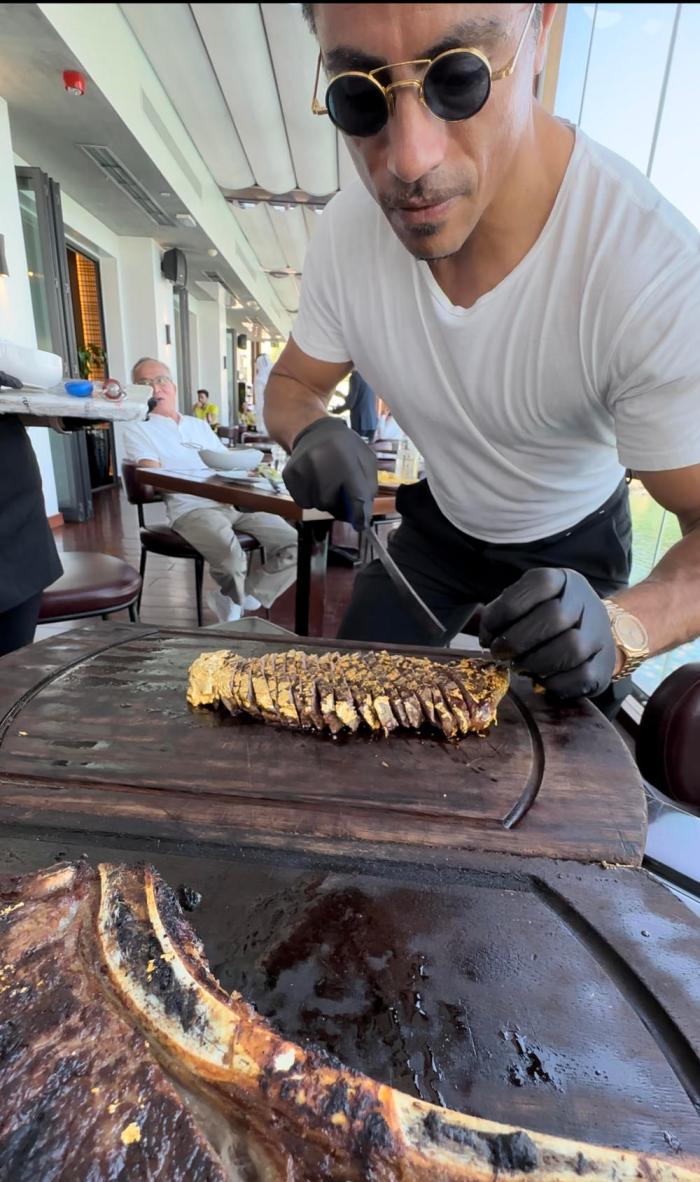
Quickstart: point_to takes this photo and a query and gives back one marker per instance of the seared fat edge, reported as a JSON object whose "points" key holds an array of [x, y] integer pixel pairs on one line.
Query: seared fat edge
{"points": [[362, 1129], [355, 675], [344, 705], [285, 699]]}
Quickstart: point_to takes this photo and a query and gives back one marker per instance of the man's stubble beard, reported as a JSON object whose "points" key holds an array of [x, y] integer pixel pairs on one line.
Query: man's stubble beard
{"points": [[426, 232]]}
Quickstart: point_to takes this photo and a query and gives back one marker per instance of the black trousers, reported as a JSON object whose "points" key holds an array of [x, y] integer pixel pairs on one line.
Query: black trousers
{"points": [[18, 624], [453, 573]]}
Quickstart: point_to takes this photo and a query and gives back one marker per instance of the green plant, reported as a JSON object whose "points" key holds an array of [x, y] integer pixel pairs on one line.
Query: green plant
{"points": [[90, 357]]}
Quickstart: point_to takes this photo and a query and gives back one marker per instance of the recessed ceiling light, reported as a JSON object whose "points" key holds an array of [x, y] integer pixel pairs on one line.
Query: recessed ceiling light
{"points": [[247, 204], [281, 206], [165, 193], [186, 219]]}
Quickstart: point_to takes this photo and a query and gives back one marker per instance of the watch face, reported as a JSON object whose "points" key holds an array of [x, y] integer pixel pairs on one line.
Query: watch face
{"points": [[631, 633]]}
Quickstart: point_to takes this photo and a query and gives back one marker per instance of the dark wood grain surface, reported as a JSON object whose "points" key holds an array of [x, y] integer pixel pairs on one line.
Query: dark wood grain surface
{"points": [[559, 996], [244, 495], [96, 735]]}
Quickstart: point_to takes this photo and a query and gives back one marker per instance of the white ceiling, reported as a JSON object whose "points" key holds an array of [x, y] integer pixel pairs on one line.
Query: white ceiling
{"points": [[241, 77], [48, 126]]}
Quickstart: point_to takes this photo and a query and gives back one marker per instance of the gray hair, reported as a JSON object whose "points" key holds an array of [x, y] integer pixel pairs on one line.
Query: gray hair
{"points": [[142, 360]]}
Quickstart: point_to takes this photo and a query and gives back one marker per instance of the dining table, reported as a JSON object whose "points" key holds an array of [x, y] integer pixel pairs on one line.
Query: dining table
{"points": [[313, 526]]}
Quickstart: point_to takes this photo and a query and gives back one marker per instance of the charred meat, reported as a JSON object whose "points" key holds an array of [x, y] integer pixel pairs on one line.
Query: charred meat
{"points": [[121, 1057]]}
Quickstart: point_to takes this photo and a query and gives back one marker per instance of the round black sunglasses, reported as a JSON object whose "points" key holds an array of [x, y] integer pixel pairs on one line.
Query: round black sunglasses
{"points": [[455, 86]]}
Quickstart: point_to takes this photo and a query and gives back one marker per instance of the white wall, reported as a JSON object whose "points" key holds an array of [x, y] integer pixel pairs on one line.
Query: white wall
{"points": [[16, 314], [147, 302], [212, 347]]}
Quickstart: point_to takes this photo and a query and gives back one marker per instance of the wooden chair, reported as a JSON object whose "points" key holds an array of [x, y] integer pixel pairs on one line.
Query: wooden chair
{"points": [[230, 435], [161, 539]]}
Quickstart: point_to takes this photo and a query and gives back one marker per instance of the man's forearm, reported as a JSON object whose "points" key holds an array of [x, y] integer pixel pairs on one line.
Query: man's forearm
{"points": [[668, 600], [289, 407]]}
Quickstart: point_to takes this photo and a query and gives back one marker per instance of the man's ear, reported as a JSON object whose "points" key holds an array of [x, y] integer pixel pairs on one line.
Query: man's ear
{"points": [[547, 14]]}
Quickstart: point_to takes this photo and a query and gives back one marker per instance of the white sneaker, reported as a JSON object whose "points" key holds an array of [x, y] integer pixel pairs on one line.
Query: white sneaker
{"points": [[251, 604], [225, 610]]}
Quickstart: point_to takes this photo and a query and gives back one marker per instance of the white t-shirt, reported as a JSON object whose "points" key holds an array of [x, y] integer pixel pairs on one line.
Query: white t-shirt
{"points": [[527, 407], [160, 438]]}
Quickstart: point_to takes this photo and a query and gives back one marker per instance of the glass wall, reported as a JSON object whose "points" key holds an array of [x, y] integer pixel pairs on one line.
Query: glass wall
{"points": [[630, 77]]}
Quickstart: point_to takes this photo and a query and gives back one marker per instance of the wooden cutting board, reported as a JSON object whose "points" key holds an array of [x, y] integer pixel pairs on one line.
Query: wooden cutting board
{"points": [[96, 736]]}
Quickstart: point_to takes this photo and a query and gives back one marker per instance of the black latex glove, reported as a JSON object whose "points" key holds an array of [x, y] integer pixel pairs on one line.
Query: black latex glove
{"points": [[6, 379], [552, 626], [331, 468]]}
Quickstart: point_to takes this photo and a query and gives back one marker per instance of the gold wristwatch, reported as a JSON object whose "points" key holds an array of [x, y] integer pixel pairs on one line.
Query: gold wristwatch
{"points": [[629, 635]]}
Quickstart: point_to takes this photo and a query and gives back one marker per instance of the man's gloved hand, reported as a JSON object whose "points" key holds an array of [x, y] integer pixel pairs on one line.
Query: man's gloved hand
{"points": [[552, 626], [331, 468]]}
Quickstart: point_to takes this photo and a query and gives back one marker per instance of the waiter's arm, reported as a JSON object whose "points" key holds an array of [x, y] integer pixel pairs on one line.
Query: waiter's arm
{"points": [[298, 391], [668, 600]]}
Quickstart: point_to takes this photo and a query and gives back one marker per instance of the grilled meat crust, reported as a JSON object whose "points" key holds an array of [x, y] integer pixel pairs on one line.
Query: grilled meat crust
{"points": [[339, 691], [122, 1057]]}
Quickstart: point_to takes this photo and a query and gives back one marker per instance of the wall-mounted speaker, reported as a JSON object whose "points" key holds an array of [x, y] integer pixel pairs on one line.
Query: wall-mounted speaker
{"points": [[242, 341], [174, 267]]}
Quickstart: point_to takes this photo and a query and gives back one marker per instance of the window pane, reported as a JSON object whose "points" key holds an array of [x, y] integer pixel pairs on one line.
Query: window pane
{"points": [[36, 267], [619, 95], [578, 31], [625, 74], [654, 532], [676, 166]]}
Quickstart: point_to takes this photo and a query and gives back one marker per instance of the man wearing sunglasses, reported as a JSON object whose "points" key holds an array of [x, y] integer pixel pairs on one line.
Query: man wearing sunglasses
{"points": [[526, 303]]}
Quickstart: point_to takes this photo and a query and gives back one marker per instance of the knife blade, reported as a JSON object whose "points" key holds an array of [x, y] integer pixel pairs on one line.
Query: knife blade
{"points": [[409, 598]]}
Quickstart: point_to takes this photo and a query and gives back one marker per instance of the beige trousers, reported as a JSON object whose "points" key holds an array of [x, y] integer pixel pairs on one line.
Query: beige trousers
{"points": [[210, 530]]}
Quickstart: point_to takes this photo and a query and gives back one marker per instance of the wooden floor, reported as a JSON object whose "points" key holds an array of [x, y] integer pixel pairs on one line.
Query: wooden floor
{"points": [[168, 595]]}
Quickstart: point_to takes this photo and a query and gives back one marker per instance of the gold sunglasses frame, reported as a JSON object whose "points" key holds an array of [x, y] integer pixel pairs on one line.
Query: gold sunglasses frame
{"points": [[388, 91]]}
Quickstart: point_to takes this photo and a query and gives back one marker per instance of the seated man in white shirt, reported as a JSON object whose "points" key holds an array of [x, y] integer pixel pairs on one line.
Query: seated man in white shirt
{"points": [[162, 442]]}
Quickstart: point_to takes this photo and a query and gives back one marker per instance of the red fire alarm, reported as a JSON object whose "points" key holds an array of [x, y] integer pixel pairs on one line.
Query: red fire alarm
{"points": [[74, 82]]}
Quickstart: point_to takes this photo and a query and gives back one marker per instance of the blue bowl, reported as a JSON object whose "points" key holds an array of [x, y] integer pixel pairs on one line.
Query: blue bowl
{"points": [[79, 389]]}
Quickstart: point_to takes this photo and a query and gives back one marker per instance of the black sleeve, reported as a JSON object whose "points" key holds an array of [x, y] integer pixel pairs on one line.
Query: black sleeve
{"points": [[28, 558]]}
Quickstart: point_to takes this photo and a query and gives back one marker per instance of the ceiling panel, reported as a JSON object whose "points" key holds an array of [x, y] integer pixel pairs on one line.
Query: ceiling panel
{"points": [[234, 36], [169, 37], [290, 228], [258, 229], [311, 220], [312, 139], [288, 292]]}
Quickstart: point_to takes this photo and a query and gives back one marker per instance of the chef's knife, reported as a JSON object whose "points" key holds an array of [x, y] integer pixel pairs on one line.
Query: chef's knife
{"points": [[409, 598]]}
